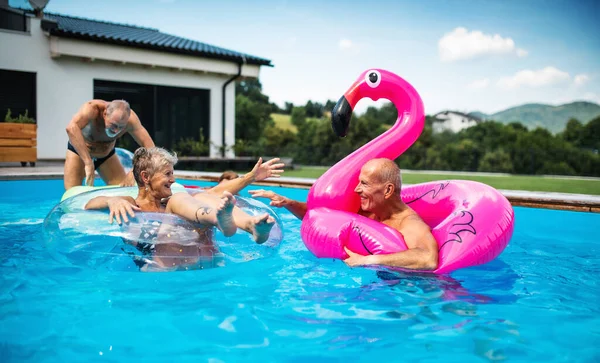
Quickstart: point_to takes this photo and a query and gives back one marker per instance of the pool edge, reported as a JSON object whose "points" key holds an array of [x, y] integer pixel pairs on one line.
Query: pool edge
{"points": [[517, 198]]}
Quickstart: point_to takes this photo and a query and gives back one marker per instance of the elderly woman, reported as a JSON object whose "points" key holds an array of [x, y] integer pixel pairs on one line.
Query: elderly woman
{"points": [[153, 172]]}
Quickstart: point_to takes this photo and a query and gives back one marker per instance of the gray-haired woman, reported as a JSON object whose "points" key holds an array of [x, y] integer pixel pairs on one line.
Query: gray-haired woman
{"points": [[153, 172]]}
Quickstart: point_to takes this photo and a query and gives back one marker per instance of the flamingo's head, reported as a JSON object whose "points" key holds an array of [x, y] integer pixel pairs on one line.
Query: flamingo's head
{"points": [[374, 84]]}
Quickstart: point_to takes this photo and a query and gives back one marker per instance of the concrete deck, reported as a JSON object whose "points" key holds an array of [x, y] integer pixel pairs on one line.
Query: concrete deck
{"points": [[565, 201]]}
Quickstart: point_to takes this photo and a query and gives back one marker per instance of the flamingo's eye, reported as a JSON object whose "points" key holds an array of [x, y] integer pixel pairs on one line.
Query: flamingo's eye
{"points": [[373, 78]]}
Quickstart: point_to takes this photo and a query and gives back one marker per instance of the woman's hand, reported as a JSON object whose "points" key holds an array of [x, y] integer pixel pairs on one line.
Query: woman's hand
{"points": [[276, 199], [269, 169], [119, 208]]}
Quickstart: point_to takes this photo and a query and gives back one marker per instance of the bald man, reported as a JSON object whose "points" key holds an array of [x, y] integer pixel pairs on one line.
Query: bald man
{"points": [[379, 187], [93, 132]]}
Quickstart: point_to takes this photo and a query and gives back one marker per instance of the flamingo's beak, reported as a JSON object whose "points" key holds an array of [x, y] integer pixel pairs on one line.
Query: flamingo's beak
{"points": [[340, 117]]}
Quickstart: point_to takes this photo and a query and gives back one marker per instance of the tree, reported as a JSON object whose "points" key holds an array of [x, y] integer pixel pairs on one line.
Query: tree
{"points": [[252, 110], [251, 118], [314, 109], [561, 168], [518, 126], [496, 161], [329, 105], [277, 142], [573, 132], [298, 117], [288, 108], [386, 114], [275, 108], [252, 89], [463, 156], [591, 135]]}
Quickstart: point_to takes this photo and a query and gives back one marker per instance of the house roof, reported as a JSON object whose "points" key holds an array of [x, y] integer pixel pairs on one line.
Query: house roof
{"points": [[140, 37], [475, 118]]}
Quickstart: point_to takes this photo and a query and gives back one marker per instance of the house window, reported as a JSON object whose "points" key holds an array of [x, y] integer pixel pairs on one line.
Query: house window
{"points": [[170, 114], [17, 93], [13, 20]]}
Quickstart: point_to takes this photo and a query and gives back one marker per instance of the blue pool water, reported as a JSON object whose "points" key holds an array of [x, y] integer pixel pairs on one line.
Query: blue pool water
{"points": [[539, 301]]}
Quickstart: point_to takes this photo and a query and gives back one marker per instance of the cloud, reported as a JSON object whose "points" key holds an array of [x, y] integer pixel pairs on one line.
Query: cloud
{"points": [[581, 79], [345, 44], [522, 53], [479, 84], [461, 44], [348, 46], [537, 78]]}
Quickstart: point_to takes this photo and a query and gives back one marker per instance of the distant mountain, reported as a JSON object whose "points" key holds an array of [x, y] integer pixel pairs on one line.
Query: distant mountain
{"points": [[480, 115], [553, 118]]}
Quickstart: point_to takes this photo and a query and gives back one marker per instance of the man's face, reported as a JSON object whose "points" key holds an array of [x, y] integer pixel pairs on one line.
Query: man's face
{"points": [[114, 123], [370, 190]]}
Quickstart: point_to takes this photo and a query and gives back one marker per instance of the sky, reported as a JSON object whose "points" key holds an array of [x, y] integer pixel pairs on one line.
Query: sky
{"points": [[461, 55]]}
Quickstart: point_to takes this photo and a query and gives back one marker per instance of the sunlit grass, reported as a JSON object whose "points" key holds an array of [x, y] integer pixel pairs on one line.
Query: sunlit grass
{"points": [[283, 122]]}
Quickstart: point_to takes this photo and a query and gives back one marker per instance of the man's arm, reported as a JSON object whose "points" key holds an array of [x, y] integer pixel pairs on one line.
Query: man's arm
{"points": [[139, 132], [422, 253], [295, 207], [80, 120], [142, 137]]}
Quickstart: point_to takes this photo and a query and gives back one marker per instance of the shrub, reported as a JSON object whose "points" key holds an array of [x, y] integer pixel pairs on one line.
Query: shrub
{"points": [[21, 119]]}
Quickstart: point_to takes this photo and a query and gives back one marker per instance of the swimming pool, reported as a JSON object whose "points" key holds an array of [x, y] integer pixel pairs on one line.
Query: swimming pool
{"points": [[537, 302]]}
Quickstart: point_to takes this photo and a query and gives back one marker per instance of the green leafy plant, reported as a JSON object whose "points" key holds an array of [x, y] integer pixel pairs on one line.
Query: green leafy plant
{"points": [[21, 119], [191, 147]]}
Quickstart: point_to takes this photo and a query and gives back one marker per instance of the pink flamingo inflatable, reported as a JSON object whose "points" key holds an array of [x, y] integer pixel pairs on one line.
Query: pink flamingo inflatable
{"points": [[472, 222]]}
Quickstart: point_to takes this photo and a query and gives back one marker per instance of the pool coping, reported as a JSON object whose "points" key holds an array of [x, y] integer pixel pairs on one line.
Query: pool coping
{"points": [[520, 198]]}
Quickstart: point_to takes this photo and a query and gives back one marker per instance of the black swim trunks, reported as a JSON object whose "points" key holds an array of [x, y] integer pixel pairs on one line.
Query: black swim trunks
{"points": [[97, 161]]}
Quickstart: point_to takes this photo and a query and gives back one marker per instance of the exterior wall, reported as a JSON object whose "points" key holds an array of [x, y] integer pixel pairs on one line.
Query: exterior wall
{"points": [[453, 122], [64, 83]]}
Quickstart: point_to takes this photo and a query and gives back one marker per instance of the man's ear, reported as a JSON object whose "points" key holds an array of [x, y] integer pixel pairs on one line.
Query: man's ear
{"points": [[389, 190]]}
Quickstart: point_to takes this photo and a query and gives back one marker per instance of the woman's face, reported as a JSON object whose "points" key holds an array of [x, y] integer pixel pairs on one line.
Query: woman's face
{"points": [[160, 182]]}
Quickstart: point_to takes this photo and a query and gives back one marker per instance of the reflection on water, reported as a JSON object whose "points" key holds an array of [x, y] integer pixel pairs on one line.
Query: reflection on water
{"points": [[496, 276]]}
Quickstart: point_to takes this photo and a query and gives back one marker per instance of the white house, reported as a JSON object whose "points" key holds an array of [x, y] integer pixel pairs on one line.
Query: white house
{"points": [[51, 64], [453, 121]]}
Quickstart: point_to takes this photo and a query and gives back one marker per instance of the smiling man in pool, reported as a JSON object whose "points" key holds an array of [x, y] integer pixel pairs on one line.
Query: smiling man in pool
{"points": [[93, 132], [379, 186]]}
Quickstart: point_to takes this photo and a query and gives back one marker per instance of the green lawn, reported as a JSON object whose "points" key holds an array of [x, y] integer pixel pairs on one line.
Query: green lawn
{"points": [[284, 122], [516, 182]]}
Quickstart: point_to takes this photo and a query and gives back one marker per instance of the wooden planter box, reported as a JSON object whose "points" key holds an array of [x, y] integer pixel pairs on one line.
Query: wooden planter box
{"points": [[18, 142]]}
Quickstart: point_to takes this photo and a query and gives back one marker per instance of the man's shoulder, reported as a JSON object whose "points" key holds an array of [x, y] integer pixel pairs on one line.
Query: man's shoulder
{"points": [[413, 221], [97, 103], [95, 106], [133, 119]]}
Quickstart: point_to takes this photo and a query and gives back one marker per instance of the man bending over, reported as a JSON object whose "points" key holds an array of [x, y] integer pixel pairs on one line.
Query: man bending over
{"points": [[93, 132]]}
